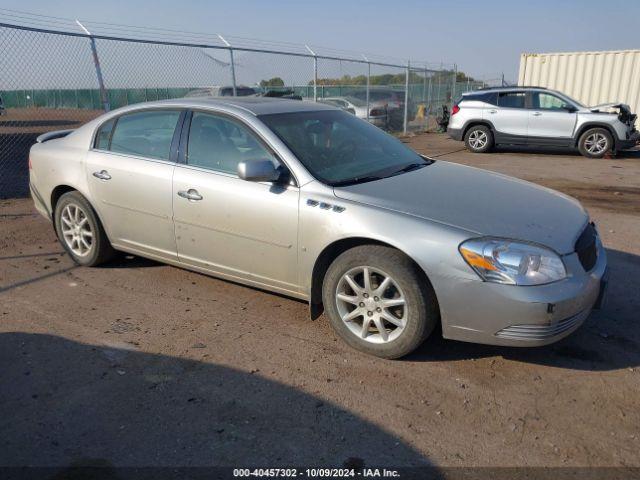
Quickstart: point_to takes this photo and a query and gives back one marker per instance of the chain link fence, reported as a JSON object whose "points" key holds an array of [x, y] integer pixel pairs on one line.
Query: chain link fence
{"points": [[55, 80]]}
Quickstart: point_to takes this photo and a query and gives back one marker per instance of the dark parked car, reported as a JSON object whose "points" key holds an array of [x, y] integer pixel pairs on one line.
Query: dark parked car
{"points": [[394, 100], [226, 91]]}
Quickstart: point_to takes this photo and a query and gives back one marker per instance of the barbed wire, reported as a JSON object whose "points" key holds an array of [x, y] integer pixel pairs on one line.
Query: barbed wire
{"points": [[161, 34]]}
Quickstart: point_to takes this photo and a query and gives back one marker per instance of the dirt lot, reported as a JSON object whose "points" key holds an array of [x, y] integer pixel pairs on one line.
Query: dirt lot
{"points": [[138, 363]]}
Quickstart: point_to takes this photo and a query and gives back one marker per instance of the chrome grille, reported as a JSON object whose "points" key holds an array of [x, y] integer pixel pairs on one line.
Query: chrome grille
{"points": [[539, 332]]}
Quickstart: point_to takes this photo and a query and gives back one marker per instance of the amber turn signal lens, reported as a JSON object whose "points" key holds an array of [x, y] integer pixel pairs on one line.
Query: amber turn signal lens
{"points": [[476, 260]]}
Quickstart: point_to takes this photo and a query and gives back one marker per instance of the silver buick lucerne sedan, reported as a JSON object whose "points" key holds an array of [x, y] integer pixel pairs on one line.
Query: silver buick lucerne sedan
{"points": [[311, 202]]}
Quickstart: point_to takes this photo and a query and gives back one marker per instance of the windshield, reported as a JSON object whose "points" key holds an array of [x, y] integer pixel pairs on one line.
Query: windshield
{"points": [[571, 100], [340, 149]]}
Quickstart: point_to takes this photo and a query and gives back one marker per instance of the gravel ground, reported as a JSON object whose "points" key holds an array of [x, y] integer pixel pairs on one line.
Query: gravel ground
{"points": [[138, 363]]}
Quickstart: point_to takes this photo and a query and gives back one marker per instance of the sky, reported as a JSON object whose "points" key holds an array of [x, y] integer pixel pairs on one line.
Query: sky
{"points": [[483, 38]]}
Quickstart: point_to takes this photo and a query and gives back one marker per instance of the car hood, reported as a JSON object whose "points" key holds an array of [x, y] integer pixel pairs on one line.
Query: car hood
{"points": [[481, 202], [604, 107]]}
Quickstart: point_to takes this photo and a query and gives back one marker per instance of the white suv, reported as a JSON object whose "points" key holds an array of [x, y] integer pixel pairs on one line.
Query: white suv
{"points": [[540, 117]]}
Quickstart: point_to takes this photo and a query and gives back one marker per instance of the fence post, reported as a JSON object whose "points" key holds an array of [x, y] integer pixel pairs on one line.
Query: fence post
{"points": [[406, 99], [429, 99], [455, 80], [315, 73], [96, 63], [368, 82], [233, 65], [424, 86]]}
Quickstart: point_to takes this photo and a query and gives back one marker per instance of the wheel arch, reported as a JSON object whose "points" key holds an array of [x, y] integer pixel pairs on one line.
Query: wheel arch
{"points": [[331, 252], [587, 126], [475, 122], [59, 191]]}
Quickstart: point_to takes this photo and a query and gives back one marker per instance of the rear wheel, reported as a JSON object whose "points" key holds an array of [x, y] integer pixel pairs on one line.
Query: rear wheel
{"points": [[595, 143], [378, 302], [479, 139], [80, 232]]}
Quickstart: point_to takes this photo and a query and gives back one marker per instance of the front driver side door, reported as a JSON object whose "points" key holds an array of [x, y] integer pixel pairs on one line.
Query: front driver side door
{"points": [[231, 227]]}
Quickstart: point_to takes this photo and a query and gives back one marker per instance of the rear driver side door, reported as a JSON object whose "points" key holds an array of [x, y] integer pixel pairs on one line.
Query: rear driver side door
{"points": [[129, 171]]}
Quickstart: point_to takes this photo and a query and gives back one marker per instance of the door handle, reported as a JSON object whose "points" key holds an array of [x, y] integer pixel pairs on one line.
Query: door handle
{"points": [[102, 175], [493, 111], [191, 194], [536, 114]]}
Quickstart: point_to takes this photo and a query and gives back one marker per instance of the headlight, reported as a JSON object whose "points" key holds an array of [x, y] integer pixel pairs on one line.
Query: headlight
{"points": [[505, 261]]}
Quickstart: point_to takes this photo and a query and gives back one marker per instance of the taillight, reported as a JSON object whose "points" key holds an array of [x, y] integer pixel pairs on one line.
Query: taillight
{"points": [[376, 112], [455, 109], [30, 166]]}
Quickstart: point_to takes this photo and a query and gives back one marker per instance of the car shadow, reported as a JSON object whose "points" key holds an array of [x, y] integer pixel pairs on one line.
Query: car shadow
{"points": [[557, 151], [125, 260], [608, 340], [65, 403]]}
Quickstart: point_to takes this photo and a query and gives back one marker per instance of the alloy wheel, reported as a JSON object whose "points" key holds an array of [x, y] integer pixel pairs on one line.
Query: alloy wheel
{"points": [[76, 230], [371, 304], [478, 139], [596, 143]]}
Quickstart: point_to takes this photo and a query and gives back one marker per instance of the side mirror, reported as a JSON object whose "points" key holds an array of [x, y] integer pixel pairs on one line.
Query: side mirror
{"points": [[258, 171], [570, 108]]}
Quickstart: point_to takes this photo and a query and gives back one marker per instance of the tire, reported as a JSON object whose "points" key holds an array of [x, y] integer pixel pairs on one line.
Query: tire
{"points": [[595, 143], [414, 320], [479, 139], [75, 220]]}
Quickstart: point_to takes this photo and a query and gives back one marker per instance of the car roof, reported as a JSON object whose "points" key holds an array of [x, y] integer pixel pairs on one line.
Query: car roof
{"points": [[253, 105], [507, 89]]}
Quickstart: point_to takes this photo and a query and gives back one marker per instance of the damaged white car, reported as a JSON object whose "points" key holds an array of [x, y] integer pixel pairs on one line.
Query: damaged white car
{"points": [[536, 116]]}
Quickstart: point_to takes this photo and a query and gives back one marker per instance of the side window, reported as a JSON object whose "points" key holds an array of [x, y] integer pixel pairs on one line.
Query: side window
{"points": [[511, 99], [104, 135], [146, 134], [547, 101], [219, 144]]}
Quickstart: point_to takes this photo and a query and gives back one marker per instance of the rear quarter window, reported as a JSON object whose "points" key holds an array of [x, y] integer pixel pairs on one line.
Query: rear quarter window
{"points": [[103, 137], [145, 134], [511, 99], [486, 97]]}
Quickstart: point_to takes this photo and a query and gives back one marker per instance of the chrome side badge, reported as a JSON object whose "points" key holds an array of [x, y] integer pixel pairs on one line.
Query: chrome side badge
{"points": [[325, 206]]}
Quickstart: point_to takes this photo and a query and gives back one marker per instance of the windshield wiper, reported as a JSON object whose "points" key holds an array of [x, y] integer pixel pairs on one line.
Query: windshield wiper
{"points": [[370, 178], [356, 180], [410, 167]]}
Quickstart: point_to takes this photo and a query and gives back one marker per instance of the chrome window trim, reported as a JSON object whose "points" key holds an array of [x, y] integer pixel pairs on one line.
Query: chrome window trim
{"points": [[136, 157], [220, 173]]}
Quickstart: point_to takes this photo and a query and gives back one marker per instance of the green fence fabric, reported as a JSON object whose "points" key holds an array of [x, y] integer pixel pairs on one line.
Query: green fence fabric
{"points": [[89, 99], [86, 99]]}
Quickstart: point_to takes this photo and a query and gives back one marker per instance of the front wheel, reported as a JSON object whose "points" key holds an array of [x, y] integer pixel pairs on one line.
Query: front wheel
{"points": [[595, 143], [378, 302], [479, 139]]}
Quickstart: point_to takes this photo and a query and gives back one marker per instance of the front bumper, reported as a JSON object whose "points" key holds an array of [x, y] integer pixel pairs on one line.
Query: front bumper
{"points": [[455, 133], [490, 313], [631, 142]]}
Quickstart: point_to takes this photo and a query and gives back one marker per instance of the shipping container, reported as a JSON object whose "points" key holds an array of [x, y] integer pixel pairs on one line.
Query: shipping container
{"points": [[591, 78]]}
